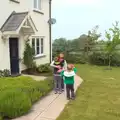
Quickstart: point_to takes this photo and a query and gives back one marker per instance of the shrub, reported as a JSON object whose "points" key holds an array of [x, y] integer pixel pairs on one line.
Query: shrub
{"points": [[73, 58], [44, 68], [14, 103], [28, 56], [101, 58], [19, 93], [4, 73]]}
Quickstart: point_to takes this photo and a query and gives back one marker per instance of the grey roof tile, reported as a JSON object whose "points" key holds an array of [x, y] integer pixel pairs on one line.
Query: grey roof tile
{"points": [[14, 21]]}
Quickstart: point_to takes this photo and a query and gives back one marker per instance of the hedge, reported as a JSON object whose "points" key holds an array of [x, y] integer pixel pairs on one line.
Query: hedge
{"points": [[75, 58], [18, 94], [102, 58]]}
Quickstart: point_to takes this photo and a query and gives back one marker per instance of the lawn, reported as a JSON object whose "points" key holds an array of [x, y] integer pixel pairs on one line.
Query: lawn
{"points": [[98, 97], [18, 94]]}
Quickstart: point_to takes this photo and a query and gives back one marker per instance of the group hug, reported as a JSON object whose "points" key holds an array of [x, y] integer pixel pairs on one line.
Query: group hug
{"points": [[63, 76]]}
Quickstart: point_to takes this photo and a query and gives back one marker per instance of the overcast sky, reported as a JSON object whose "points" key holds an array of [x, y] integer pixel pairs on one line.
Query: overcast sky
{"points": [[75, 17]]}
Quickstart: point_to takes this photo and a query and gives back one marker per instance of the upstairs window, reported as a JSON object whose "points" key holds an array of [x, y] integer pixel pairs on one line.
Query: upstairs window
{"points": [[37, 4]]}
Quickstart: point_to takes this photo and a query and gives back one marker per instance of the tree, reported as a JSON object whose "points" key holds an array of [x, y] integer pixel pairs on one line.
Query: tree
{"points": [[91, 40], [93, 37], [59, 45], [113, 39], [93, 34]]}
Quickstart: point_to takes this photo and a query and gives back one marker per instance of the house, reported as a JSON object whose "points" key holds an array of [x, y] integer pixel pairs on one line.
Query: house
{"points": [[22, 20]]}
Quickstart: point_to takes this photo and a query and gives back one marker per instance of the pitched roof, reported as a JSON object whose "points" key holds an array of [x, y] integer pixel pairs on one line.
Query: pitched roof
{"points": [[14, 21]]}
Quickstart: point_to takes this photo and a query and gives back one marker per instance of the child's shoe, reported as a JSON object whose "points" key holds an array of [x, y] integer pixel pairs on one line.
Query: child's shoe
{"points": [[60, 92], [72, 98], [68, 98], [55, 92]]}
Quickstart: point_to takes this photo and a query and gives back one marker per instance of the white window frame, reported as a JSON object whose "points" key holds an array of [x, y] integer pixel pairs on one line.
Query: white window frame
{"points": [[38, 5], [40, 46]]}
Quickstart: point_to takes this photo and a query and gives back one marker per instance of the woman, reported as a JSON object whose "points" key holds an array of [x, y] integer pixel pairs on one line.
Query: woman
{"points": [[63, 64], [57, 77]]}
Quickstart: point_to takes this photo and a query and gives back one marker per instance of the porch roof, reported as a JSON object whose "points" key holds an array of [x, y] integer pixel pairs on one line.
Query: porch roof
{"points": [[16, 21]]}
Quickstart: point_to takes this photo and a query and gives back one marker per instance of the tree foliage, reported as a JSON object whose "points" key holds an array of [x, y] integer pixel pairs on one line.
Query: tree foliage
{"points": [[28, 56], [83, 43], [89, 45], [92, 38], [113, 39]]}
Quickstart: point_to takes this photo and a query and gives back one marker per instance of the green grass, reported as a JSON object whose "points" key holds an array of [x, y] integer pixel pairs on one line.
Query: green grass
{"points": [[19, 93], [98, 97]]}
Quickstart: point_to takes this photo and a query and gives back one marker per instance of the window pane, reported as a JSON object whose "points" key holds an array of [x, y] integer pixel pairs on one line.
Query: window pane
{"points": [[39, 4], [37, 43], [38, 50], [37, 46], [41, 41], [35, 3], [42, 49], [33, 42], [33, 45]]}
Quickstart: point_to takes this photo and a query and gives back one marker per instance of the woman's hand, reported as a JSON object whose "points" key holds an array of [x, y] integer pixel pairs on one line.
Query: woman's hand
{"points": [[59, 67]]}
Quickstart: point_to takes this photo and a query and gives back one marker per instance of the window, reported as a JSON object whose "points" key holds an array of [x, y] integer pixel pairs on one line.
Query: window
{"points": [[38, 45], [37, 4]]}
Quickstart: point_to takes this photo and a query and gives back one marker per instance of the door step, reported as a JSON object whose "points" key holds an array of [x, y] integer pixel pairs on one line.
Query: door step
{"points": [[15, 75]]}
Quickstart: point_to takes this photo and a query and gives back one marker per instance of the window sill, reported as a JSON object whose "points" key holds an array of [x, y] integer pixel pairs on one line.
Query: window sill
{"points": [[16, 1], [39, 56], [38, 11]]}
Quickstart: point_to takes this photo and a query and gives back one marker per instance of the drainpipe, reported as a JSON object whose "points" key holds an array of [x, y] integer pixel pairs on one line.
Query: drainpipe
{"points": [[50, 37]]}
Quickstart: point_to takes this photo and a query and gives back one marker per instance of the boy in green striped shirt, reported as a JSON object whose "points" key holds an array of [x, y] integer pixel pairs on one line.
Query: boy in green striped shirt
{"points": [[69, 80]]}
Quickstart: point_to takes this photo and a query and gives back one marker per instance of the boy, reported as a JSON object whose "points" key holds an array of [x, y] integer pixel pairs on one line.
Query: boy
{"points": [[69, 80], [57, 77]]}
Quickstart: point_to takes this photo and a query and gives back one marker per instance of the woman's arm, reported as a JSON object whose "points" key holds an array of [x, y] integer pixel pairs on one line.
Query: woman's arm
{"points": [[52, 64], [65, 65]]}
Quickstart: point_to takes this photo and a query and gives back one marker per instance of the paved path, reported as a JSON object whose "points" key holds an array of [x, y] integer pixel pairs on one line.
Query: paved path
{"points": [[37, 78], [50, 107]]}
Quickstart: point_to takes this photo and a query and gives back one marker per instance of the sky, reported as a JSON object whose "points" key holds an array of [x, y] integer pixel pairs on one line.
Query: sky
{"points": [[76, 17]]}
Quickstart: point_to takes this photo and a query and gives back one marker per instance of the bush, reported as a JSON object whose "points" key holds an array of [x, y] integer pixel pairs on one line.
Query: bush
{"points": [[14, 103], [72, 58], [44, 68], [28, 56], [19, 93], [101, 58], [4, 73]]}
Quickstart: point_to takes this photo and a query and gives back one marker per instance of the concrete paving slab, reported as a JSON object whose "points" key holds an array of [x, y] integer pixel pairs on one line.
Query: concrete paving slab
{"points": [[44, 103], [37, 78], [53, 111]]}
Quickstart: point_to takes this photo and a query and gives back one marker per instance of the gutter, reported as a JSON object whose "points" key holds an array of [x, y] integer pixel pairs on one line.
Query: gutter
{"points": [[50, 38]]}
